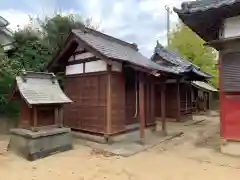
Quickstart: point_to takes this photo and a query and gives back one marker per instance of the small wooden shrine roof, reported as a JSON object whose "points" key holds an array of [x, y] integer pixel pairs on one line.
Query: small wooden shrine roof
{"points": [[203, 85], [40, 88]]}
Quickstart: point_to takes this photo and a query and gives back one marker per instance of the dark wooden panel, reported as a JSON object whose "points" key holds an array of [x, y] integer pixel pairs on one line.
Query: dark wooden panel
{"points": [[185, 99], [231, 72], [171, 101], [150, 102], [25, 115], [88, 111], [45, 117], [158, 101], [118, 102], [130, 96]]}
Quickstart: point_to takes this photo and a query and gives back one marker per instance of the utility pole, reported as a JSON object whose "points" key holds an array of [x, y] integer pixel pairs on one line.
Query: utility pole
{"points": [[168, 23]]}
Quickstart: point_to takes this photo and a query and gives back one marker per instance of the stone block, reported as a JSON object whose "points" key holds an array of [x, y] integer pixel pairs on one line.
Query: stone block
{"points": [[34, 145]]}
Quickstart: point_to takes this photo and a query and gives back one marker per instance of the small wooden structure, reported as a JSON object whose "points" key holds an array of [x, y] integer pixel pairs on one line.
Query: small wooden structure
{"points": [[179, 89], [114, 87], [41, 117], [218, 24], [203, 94]]}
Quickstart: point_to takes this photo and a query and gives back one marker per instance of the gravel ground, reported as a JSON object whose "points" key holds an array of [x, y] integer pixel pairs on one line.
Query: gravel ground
{"points": [[194, 155]]}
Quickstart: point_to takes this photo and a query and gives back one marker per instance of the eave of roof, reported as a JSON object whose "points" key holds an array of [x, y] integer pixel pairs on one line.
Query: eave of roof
{"points": [[204, 86], [206, 18], [3, 22], [182, 65], [203, 5]]}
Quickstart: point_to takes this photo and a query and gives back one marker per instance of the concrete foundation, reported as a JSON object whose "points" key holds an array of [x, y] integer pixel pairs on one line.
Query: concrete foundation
{"points": [[231, 148], [34, 145]]}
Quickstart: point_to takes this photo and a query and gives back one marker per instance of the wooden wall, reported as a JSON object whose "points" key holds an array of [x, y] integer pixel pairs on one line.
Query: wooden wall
{"points": [[45, 116], [25, 115], [158, 100], [118, 102], [185, 99], [171, 100], [88, 110], [130, 90]]}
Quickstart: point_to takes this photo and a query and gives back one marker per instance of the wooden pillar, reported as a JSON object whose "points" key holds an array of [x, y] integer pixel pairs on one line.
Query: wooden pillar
{"points": [[186, 99], [56, 116], [60, 116], [163, 107], [210, 100], [152, 102], [192, 97], [109, 102], [35, 119], [141, 106], [178, 101]]}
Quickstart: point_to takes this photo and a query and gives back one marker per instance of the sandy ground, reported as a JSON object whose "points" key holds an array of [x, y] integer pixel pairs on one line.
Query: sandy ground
{"points": [[194, 155]]}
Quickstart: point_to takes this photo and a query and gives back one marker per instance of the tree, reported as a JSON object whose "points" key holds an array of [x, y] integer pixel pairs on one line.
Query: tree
{"points": [[31, 54], [189, 45], [7, 74], [57, 28]]}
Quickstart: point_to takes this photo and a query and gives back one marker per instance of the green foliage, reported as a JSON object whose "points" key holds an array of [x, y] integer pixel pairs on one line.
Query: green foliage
{"points": [[32, 54], [35, 45], [190, 46], [6, 78]]}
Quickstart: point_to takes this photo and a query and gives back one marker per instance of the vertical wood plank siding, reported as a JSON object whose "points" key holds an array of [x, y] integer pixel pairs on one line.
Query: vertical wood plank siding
{"points": [[118, 102], [231, 72], [45, 117], [185, 99], [25, 115], [88, 110], [171, 101]]}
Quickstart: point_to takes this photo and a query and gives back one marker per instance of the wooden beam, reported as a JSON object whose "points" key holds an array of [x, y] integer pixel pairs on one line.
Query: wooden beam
{"points": [[81, 56], [82, 61], [35, 119], [163, 107], [152, 101], [141, 106], [109, 101]]}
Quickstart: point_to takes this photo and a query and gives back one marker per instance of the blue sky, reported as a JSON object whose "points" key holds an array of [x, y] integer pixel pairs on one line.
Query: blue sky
{"points": [[139, 21]]}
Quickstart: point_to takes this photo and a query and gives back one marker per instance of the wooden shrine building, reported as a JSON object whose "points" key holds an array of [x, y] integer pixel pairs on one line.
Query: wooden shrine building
{"points": [[40, 129], [180, 97], [114, 87], [218, 22]]}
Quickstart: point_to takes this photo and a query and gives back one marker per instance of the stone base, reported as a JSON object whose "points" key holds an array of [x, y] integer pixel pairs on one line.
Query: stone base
{"points": [[35, 145], [231, 148]]}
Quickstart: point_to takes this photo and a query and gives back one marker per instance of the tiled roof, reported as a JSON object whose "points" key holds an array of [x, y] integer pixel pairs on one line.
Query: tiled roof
{"points": [[117, 49], [204, 86], [170, 56], [203, 5], [177, 62], [6, 40], [40, 88]]}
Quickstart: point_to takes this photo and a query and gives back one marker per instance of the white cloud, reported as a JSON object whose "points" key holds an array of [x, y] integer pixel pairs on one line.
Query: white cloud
{"points": [[142, 22], [15, 17]]}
